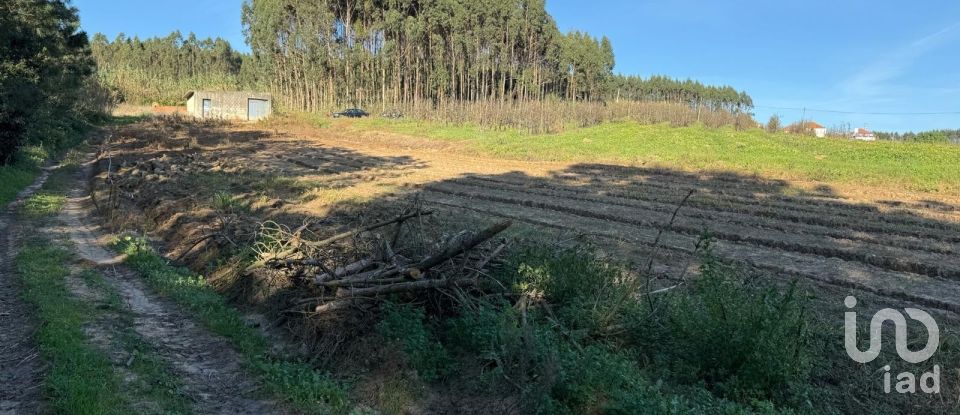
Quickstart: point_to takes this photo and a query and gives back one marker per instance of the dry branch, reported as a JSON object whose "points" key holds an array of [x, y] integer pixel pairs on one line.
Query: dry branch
{"points": [[453, 249], [350, 234], [340, 272]]}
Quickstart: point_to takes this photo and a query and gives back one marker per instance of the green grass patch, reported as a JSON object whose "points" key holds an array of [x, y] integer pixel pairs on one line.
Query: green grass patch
{"points": [[81, 379], [19, 174], [25, 169], [917, 166], [51, 199], [295, 382], [13, 179], [43, 204], [404, 325]]}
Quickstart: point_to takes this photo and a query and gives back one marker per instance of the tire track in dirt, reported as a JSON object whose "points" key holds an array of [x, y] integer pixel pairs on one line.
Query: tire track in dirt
{"points": [[920, 289], [206, 364], [20, 364]]}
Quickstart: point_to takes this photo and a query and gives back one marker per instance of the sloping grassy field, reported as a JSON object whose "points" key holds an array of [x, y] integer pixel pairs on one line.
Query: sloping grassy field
{"points": [[913, 166]]}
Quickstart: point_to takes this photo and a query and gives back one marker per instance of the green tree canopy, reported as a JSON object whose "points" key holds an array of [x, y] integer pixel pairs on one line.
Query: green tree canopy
{"points": [[44, 64]]}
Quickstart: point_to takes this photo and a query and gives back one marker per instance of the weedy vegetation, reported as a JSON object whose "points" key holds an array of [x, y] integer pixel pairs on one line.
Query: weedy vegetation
{"points": [[579, 340], [288, 380]]}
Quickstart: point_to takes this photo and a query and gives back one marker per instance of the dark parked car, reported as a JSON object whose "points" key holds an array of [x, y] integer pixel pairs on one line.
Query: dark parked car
{"points": [[351, 113]]}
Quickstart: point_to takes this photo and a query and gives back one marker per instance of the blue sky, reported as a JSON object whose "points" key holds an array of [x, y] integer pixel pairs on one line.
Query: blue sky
{"points": [[845, 55]]}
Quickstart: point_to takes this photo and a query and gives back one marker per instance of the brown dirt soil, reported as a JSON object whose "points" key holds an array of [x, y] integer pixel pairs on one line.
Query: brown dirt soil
{"points": [[20, 365], [850, 237], [895, 247], [854, 237]]}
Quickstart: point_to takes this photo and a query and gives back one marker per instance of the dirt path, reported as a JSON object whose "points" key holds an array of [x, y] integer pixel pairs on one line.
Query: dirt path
{"points": [[207, 366], [20, 365]]}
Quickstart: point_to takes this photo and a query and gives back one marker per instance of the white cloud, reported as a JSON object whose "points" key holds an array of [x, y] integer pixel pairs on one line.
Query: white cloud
{"points": [[873, 81]]}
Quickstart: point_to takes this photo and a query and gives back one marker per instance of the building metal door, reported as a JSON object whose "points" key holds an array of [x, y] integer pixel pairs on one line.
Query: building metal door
{"points": [[256, 109], [207, 106]]}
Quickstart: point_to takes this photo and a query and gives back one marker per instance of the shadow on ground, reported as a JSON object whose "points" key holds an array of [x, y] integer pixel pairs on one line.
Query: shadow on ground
{"points": [[890, 254]]}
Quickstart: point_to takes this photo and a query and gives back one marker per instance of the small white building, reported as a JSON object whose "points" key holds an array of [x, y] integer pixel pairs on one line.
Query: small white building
{"points": [[864, 134], [229, 105]]}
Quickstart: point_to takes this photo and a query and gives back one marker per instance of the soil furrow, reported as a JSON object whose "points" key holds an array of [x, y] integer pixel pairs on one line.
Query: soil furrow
{"points": [[735, 215], [919, 289], [857, 219], [775, 199], [878, 255], [719, 184]]}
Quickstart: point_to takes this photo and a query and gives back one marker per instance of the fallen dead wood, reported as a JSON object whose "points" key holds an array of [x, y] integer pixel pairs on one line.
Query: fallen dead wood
{"points": [[452, 249], [340, 272], [386, 272], [349, 234]]}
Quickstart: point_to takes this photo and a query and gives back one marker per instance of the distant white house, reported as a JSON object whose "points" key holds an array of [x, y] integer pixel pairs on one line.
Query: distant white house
{"points": [[864, 134], [800, 128]]}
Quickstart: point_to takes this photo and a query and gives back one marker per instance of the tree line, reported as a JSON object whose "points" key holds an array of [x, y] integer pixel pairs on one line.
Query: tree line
{"points": [[47, 92], [398, 52], [933, 136], [666, 89], [163, 69], [316, 55]]}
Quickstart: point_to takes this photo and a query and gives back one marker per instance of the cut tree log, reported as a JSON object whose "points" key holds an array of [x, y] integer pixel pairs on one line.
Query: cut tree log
{"points": [[350, 269], [451, 250]]}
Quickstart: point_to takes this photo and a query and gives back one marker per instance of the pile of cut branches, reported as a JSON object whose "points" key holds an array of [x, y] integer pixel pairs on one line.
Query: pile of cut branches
{"points": [[381, 265]]}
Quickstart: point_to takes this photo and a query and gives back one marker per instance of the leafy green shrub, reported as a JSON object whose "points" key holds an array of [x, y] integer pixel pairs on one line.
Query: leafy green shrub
{"points": [[404, 325], [588, 293], [744, 344], [557, 377], [746, 341]]}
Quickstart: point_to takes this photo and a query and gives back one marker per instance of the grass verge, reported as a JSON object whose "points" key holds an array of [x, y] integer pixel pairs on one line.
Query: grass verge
{"points": [[18, 175], [294, 382], [81, 379]]}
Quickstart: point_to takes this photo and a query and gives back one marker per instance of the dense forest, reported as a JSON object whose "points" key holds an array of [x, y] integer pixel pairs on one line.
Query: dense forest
{"points": [[317, 55], [162, 69], [46, 88], [324, 53], [666, 89]]}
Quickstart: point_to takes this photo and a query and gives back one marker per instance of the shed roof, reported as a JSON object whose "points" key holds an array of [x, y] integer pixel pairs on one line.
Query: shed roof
{"points": [[252, 94]]}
